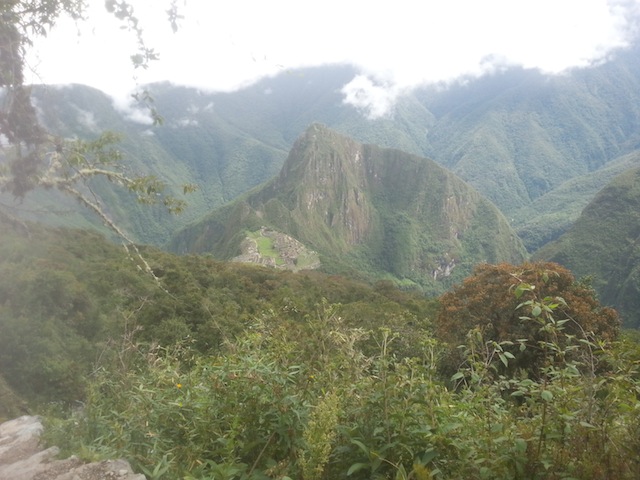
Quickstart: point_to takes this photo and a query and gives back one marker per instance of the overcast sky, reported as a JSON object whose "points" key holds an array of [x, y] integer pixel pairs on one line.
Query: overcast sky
{"points": [[226, 44]]}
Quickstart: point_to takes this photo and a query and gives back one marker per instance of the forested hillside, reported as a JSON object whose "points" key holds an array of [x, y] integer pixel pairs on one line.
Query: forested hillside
{"points": [[519, 135], [67, 295]]}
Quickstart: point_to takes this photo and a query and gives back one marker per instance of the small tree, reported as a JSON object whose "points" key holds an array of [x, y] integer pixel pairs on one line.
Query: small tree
{"points": [[486, 301]]}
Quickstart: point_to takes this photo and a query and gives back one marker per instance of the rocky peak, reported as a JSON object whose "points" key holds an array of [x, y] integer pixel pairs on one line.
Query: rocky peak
{"points": [[325, 174]]}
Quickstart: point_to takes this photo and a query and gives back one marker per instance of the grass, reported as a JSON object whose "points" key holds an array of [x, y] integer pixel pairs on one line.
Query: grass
{"points": [[265, 245]]}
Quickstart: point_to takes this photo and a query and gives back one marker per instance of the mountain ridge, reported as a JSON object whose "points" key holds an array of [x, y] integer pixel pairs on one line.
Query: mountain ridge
{"points": [[367, 210]]}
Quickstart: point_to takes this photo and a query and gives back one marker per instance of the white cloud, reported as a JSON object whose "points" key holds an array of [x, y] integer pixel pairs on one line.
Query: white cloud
{"points": [[139, 116], [187, 122], [87, 119], [372, 99], [131, 110], [397, 45]]}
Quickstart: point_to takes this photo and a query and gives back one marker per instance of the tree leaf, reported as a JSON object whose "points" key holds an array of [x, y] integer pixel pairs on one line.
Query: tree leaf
{"points": [[503, 359], [356, 467]]}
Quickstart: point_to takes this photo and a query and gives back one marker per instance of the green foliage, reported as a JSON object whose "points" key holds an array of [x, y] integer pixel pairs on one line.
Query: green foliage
{"points": [[284, 402], [486, 307], [66, 295], [214, 370], [319, 435], [240, 372], [560, 420]]}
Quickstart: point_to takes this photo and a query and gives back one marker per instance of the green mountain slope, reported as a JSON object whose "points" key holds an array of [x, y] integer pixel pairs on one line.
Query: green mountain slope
{"points": [[519, 134], [530, 143], [550, 215], [605, 242], [225, 143], [368, 211], [82, 112]]}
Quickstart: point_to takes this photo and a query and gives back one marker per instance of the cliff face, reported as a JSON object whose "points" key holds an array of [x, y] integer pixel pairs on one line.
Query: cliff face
{"points": [[367, 211], [326, 181]]}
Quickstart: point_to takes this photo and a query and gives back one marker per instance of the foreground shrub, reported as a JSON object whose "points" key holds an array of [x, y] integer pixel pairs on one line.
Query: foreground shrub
{"points": [[486, 302], [287, 402]]}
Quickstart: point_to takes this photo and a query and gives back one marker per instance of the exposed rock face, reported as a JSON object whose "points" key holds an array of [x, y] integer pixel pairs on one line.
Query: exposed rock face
{"points": [[332, 172], [22, 458]]}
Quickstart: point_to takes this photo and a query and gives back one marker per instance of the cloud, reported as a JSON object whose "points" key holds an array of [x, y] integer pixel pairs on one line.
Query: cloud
{"points": [[452, 41], [187, 122], [87, 119], [131, 110], [396, 45], [374, 100]]}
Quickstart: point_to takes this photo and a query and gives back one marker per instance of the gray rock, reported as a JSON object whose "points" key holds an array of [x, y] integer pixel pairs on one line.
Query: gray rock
{"points": [[22, 457]]}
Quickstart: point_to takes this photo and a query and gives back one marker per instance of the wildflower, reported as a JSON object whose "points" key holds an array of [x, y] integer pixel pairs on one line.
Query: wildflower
{"points": [[178, 385]]}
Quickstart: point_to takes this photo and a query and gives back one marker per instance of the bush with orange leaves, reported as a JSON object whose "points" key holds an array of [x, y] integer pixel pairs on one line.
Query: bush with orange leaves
{"points": [[486, 303]]}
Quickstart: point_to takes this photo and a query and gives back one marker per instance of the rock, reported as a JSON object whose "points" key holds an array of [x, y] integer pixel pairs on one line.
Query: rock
{"points": [[22, 458]]}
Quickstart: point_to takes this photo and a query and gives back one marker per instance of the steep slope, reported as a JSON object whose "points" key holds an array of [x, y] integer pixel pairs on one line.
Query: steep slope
{"points": [[519, 137], [605, 242], [518, 134], [78, 111], [225, 143], [549, 216], [368, 211]]}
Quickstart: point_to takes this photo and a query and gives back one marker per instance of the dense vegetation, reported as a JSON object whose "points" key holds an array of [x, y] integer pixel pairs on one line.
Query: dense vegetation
{"points": [[489, 302], [65, 294], [210, 370]]}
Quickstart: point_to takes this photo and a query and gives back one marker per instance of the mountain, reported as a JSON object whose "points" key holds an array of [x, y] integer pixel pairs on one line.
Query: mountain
{"points": [[518, 134], [531, 143], [225, 143], [550, 215], [605, 242], [368, 211]]}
